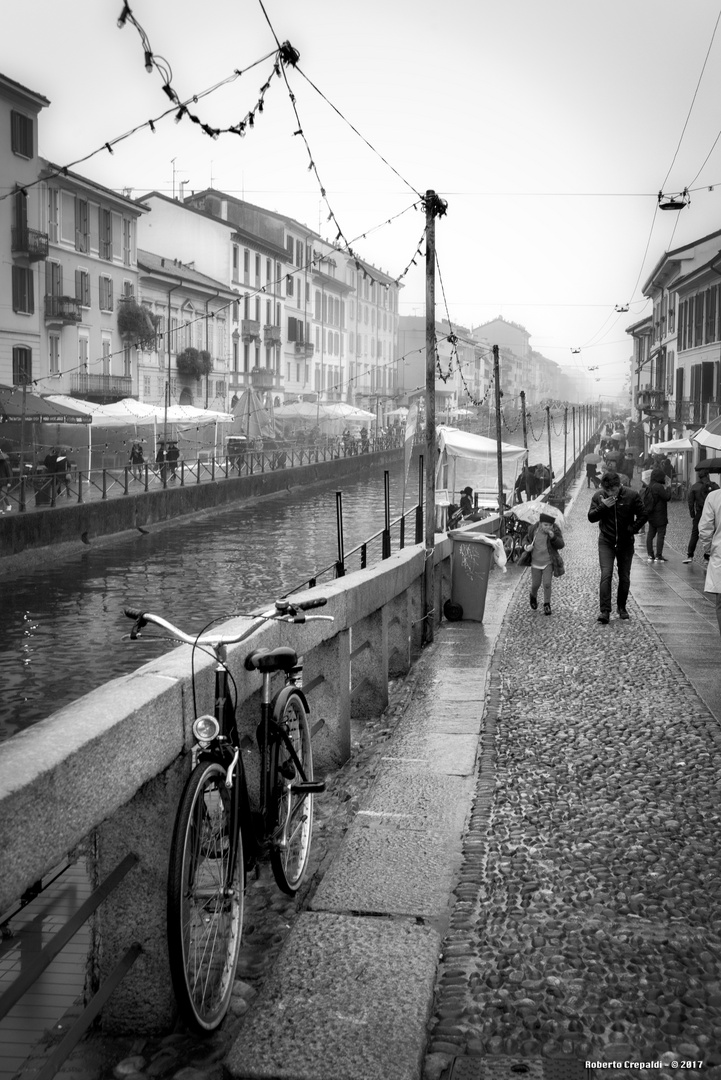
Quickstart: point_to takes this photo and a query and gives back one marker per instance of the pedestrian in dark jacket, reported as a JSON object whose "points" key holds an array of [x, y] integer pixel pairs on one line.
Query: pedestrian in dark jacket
{"points": [[660, 493], [696, 498], [620, 515]]}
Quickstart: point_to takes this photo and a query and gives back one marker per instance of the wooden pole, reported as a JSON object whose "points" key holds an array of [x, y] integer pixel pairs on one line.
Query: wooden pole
{"points": [[499, 453], [523, 420], [550, 464], [430, 530]]}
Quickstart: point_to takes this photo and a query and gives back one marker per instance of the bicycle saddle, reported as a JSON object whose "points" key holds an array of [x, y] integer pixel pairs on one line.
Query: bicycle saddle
{"points": [[281, 659]]}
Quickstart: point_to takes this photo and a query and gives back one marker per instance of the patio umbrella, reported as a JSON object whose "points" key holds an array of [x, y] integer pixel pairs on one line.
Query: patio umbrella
{"points": [[17, 404], [400, 413], [710, 435]]}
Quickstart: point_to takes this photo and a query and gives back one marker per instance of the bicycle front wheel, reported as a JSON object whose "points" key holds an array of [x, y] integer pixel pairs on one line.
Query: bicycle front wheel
{"points": [[509, 544], [291, 810], [205, 897]]}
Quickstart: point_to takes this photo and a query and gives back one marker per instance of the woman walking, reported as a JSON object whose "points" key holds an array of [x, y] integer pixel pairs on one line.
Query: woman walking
{"points": [[545, 540], [656, 505]]}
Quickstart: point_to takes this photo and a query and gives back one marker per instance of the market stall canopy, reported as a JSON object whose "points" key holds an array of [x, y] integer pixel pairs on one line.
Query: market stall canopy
{"points": [[710, 435], [16, 404], [672, 446], [400, 413], [251, 419], [473, 459]]}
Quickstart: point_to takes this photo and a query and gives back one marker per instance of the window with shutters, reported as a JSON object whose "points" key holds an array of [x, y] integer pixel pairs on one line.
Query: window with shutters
{"points": [[127, 241], [54, 353], [82, 287], [289, 285], [106, 234], [53, 214], [22, 365], [23, 291], [106, 293], [82, 225], [21, 134]]}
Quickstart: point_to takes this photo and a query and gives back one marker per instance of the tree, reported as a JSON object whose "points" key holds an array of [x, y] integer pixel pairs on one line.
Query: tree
{"points": [[194, 363], [136, 324]]}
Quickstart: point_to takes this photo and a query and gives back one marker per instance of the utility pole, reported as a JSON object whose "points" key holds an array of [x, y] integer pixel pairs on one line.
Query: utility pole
{"points": [[434, 207], [523, 420], [499, 452]]}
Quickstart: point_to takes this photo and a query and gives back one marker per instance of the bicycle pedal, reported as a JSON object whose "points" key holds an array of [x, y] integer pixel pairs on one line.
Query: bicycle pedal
{"points": [[308, 787]]}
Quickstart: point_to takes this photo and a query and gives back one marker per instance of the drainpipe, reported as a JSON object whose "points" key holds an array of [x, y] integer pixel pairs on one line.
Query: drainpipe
{"points": [[167, 385], [207, 377]]}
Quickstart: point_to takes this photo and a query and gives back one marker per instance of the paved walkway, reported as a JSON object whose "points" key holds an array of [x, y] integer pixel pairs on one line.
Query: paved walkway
{"points": [[540, 810]]}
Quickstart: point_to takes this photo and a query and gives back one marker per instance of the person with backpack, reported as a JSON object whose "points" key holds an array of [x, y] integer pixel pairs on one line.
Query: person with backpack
{"points": [[620, 515], [655, 499], [696, 499]]}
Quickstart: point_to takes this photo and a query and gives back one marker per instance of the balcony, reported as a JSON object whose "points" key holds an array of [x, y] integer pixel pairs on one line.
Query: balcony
{"points": [[30, 242], [62, 310], [651, 401], [250, 330], [103, 389], [304, 348], [271, 335], [263, 378]]}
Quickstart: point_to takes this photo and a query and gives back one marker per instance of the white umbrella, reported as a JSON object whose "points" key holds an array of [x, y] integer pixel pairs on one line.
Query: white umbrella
{"points": [[531, 511], [401, 412]]}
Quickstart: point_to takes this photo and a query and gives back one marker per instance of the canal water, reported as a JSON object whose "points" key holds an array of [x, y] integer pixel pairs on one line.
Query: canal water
{"points": [[62, 623], [62, 626]]}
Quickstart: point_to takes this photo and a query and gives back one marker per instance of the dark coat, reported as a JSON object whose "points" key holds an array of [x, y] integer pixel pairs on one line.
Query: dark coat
{"points": [[697, 496], [618, 524], [658, 515]]}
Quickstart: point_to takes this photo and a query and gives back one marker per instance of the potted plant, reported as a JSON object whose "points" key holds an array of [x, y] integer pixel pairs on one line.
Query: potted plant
{"points": [[194, 363], [136, 324]]}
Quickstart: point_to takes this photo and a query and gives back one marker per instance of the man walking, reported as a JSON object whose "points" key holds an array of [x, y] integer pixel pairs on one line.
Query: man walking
{"points": [[620, 515], [696, 499], [709, 532]]}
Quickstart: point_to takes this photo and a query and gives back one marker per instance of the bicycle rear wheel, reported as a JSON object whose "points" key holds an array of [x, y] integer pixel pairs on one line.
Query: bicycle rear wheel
{"points": [[509, 546], [292, 811], [205, 897]]}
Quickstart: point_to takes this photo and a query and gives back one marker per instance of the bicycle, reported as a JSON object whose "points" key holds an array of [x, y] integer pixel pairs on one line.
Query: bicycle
{"points": [[217, 839], [515, 537]]}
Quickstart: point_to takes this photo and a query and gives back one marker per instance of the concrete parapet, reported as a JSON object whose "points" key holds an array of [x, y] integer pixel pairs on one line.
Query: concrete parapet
{"points": [[113, 763]]}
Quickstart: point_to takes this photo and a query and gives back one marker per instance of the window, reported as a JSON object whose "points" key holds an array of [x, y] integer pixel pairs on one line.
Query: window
{"points": [[246, 262], [146, 387], [83, 350], [106, 293], [82, 287], [236, 353], [106, 347], [127, 362], [290, 246], [22, 365], [268, 271], [54, 353], [23, 292], [82, 231], [299, 253], [289, 285], [127, 241], [21, 212], [295, 329], [257, 269], [21, 128], [53, 214], [106, 234], [236, 262], [236, 310], [246, 306]]}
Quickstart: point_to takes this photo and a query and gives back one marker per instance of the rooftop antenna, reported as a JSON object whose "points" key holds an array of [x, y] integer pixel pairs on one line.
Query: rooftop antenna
{"points": [[172, 162]]}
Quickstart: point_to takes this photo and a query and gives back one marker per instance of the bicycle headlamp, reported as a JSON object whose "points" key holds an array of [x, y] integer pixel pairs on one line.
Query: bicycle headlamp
{"points": [[205, 728]]}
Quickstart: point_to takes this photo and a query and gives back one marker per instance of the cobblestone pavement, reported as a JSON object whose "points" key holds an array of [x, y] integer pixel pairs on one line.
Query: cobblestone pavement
{"points": [[587, 919]]}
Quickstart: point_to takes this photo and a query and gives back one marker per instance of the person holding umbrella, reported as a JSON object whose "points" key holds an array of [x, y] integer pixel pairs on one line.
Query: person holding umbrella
{"points": [[709, 533]]}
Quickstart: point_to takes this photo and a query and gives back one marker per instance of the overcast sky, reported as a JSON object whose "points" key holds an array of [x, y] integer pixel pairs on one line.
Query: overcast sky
{"points": [[549, 126]]}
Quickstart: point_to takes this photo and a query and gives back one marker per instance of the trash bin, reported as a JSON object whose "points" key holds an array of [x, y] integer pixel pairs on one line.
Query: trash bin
{"points": [[43, 485], [470, 566]]}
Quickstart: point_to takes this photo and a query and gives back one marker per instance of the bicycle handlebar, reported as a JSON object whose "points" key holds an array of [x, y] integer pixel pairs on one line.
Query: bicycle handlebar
{"points": [[286, 611]]}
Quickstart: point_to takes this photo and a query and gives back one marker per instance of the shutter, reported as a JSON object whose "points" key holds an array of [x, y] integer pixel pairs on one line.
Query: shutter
{"points": [[29, 277], [16, 285], [79, 286]]}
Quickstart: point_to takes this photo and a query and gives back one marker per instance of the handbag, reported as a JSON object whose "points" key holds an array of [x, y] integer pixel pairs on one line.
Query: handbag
{"points": [[558, 567]]}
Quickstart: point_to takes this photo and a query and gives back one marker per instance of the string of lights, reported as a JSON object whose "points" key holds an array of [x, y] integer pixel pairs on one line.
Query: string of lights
{"points": [[284, 55]]}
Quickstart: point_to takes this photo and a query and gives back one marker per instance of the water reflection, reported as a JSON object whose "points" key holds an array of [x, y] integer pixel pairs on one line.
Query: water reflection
{"points": [[61, 624]]}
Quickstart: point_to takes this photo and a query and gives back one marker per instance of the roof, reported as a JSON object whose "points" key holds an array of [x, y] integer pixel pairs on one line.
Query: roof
{"points": [[172, 268], [83, 181], [16, 88]]}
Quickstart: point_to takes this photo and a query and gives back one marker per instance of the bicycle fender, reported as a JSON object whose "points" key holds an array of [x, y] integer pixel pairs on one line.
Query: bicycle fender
{"points": [[278, 703]]}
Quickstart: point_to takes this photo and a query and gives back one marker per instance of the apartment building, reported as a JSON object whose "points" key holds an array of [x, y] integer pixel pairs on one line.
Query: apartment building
{"points": [[187, 357], [678, 387], [23, 243]]}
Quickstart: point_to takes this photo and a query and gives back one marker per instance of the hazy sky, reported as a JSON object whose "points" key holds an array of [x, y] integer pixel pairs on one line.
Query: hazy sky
{"points": [[549, 126]]}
